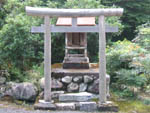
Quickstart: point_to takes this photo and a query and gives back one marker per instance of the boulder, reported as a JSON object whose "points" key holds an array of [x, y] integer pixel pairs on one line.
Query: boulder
{"points": [[24, 91], [2, 90], [2, 80], [87, 79], [72, 87], [67, 79], [6, 90], [82, 87], [77, 79]]}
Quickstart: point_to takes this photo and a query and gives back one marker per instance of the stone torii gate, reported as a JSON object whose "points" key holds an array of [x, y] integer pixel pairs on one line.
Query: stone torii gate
{"points": [[48, 13]]}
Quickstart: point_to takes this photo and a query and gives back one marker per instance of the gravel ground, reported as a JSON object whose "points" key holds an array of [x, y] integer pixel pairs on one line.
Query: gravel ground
{"points": [[14, 110], [9, 108]]}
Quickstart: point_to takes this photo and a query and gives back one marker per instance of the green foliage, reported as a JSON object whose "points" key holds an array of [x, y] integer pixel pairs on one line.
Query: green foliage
{"points": [[130, 78], [19, 49], [125, 93], [35, 74], [128, 64], [147, 101], [136, 12], [120, 54], [143, 37]]}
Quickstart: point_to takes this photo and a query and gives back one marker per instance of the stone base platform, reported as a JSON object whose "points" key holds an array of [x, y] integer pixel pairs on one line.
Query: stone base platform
{"points": [[108, 107], [78, 106], [77, 97], [58, 70], [42, 105], [76, 63]]}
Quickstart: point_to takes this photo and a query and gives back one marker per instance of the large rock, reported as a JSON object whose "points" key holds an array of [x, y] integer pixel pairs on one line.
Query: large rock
{"points": [[56, 84], [24, 91], [87, 79], [77, 79], [72, 87], [2, 80], [83, 87], [2, 90], [6, 90], [76, 97], [67, 79]]}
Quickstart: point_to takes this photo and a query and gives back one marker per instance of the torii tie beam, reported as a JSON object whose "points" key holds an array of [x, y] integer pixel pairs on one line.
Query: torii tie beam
{"points": [[48, 13]]}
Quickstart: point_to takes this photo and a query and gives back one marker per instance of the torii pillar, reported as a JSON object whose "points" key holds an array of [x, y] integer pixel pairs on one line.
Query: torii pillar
{"points": [[101, 13]]}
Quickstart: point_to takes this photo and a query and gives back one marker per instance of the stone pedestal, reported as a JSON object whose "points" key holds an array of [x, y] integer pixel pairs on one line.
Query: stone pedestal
{"points": [[107, 107], [76, 63], [43, 105]]}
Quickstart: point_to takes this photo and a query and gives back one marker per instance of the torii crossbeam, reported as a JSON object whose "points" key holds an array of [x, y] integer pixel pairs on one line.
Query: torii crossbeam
{"points": [[48, 13]]}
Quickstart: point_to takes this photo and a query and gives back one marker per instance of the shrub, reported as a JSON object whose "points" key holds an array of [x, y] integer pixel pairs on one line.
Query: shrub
{"points": [[128, 64]]}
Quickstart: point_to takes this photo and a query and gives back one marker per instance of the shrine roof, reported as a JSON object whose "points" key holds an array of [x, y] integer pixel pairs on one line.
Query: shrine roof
{"points": [[81, 21]]}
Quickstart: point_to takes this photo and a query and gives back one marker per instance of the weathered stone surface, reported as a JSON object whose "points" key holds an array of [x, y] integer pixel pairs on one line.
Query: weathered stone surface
{"points": [[24, 91], [86, 106], [55, 94], [74, 65], [42, 82], [67, 79], [2, 90], [94, 87], [107, 107], [8, 88], [65, 106], [2, 80], [77, 79], [87, 79], [75, 97], [107, 85], [56, 84], [72, 87], [83, 87], [45, 106]]}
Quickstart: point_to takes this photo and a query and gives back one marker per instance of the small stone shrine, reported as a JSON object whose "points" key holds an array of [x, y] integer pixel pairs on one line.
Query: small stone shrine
{"points": [[76, 42], [75, 23]]}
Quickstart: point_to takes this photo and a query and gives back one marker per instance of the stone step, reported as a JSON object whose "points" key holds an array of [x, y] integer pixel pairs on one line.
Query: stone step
{"points": [[76, 59], [76, 97], [76, 65], [76, 55], [80, 106]]}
